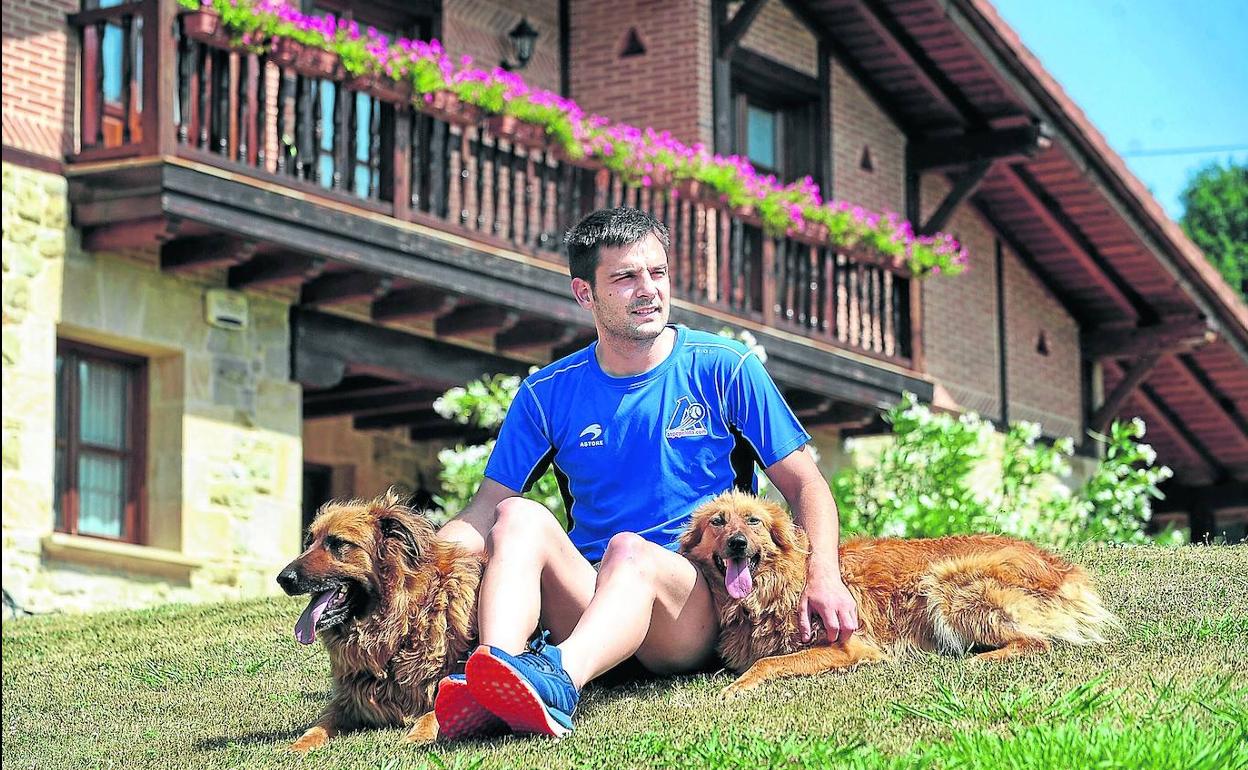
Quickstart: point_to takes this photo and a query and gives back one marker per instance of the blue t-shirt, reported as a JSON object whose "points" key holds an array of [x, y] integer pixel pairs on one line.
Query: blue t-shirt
{"points": [[638, 454]]}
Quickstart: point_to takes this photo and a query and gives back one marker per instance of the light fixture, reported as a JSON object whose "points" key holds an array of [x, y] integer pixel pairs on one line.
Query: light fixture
{"points": [[522, 37]]}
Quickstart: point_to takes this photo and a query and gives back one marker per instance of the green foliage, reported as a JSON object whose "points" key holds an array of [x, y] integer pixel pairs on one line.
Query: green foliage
{"points": [[483, 403], [944, 475], [1215, 217]]}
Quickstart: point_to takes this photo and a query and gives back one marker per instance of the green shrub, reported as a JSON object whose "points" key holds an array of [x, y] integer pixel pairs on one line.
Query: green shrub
{"points": [[943, 474]]}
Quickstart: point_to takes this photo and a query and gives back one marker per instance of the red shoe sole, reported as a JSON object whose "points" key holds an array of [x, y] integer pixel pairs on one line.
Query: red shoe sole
{"points": [[461, 716], [496, 686]]}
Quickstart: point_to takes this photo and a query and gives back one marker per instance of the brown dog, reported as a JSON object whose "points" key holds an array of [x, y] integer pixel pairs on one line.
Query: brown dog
{"points": [[395, 607], [949, 594]]}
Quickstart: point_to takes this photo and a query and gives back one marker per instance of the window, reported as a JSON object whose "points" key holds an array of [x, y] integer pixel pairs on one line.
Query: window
{"points": [[101, 403], [775, 113]]}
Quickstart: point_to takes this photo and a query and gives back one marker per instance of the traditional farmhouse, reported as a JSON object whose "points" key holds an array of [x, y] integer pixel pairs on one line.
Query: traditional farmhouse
{"points": [[239, 269]]}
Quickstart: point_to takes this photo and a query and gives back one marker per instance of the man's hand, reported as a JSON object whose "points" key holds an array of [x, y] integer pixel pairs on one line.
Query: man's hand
{"points": [[827, 597]]}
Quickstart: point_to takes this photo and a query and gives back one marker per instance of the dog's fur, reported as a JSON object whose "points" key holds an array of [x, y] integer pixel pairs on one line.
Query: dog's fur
{"points": [[951, 595], [409, 614]]}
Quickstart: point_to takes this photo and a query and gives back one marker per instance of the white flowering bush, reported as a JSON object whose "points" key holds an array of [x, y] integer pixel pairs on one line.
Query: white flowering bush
{"points": [[944, 475]]}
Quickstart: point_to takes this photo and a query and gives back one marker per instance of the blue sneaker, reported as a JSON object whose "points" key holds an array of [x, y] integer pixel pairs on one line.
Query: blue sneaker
{"points": [[531, 691], [460, 716]]}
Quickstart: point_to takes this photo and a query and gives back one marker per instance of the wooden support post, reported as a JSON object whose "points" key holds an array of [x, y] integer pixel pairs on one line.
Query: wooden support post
{"points": [[962, 189], [1105, 413]]}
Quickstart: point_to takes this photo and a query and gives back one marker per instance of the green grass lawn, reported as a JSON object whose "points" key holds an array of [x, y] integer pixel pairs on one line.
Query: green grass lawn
{"points": [[227, 686]]}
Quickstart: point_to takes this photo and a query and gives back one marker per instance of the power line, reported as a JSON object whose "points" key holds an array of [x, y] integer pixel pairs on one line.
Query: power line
{"points": [[1184, 151]]}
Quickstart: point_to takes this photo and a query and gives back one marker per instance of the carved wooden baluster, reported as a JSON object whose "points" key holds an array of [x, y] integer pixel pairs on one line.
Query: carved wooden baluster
{"points": [[205, 96], [513, 229], [827, 290], [418, 161], [260, 119], [374, 149], [342, 138], [221, 109], [436, 201], [283, 145], [127, 75], [185, 99]]}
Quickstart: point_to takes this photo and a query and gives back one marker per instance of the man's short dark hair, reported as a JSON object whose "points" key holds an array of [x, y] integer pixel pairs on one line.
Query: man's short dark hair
{"points": [[608, 227]]}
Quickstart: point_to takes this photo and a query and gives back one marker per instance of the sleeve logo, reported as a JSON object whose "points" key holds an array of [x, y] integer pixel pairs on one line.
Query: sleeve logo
{"points": [[688, 419]]}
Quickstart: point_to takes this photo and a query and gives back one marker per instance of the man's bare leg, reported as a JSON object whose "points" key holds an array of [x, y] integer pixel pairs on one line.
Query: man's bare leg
{"points": [[534, 571], [648, 601]]}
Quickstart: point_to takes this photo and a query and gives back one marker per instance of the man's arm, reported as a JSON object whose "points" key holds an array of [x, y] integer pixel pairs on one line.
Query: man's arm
{"points": [[470, 527], [804, 488]]}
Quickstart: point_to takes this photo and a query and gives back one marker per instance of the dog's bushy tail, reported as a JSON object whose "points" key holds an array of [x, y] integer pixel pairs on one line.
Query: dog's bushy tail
{"points": [[993, 597]]}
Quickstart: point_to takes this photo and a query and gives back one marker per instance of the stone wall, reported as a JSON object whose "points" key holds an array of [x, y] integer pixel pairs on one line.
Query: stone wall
{"points": [[367, 463], [224, 453]]}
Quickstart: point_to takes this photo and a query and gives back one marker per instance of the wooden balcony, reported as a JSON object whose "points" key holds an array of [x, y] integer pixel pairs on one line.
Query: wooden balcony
{"points": [[284, 170]]}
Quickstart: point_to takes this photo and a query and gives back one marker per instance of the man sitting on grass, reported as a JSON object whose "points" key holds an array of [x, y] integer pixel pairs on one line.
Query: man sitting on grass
{"points": [[642, 426]]}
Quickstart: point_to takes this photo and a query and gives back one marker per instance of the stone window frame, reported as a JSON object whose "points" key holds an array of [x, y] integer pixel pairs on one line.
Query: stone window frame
{"points": [[135, 455]]}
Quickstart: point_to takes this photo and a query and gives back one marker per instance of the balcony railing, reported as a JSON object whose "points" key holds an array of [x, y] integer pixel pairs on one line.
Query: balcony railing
{"points": [[276, 118]]}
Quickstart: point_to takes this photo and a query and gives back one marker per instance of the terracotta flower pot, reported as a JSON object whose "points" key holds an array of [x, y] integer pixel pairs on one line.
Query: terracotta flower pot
{"points": [[697, 192], [448, 107], [205, 27], [285, 52], [381, 86], [319, 63], [517, 131]]}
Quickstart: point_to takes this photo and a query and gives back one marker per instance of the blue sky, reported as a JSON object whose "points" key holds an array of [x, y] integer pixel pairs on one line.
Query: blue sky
{"points": [[1151, 75]]}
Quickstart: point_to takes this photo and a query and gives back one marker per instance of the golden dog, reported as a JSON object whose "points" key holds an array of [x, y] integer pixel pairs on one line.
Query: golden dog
{"points": [[395, 607], [949, 594]]}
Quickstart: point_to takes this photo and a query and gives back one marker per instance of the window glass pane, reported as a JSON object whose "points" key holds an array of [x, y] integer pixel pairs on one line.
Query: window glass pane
{"points": [[760, 133], [59, 475], [325, 154], [103, 403], [62, 408], [363, 132], [112, 63], [101, 494]]}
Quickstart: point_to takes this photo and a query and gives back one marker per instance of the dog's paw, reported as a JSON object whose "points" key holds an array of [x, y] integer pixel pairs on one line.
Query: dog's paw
{"points": [[736, 689], [425, 730], [311, 739]]}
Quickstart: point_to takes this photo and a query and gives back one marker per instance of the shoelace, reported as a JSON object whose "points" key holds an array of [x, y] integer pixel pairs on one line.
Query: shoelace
{"points": [[536, 656]]}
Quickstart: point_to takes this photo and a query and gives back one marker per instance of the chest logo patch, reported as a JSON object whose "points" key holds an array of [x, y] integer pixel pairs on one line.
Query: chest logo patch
{"points": [[592, 436], [688, 419]]}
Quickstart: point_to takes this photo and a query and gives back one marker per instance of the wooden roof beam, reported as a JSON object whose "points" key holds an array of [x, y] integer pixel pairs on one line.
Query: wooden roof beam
{"points": [[341, 288], [903, 46], [1048, 212], [1167, 336], [275, 270], [370, 405], [414, 304], [205, 251], [1015, 143], [475, 319], [537, 333], [1106, 412], [734, 29], [408, 417], [963, 188]]}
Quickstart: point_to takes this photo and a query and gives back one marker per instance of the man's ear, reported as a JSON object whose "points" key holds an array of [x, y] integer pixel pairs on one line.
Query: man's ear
{"points": [[583, 292]]}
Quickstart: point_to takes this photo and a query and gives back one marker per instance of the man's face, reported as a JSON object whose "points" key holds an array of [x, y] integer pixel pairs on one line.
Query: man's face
{"points": [[629, 298]]}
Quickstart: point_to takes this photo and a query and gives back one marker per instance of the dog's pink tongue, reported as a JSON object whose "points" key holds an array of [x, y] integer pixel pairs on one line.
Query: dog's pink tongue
{"points": [[737, 578], [305, 627]]}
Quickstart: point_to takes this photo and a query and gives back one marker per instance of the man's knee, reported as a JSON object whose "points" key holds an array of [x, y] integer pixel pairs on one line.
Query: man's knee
{"points": [[630, 554], [517, 520]]}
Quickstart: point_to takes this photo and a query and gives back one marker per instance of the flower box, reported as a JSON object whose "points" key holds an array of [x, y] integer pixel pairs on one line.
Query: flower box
{"points": [[696, 191], [816, 231], [285, 52], [205, 27], [319, 63], [517, 131], [446, 106], [381, 86]]}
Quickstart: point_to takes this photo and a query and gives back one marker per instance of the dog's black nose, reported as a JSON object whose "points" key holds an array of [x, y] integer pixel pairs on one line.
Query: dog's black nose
{"points": [[287, 579], [737, 544]]}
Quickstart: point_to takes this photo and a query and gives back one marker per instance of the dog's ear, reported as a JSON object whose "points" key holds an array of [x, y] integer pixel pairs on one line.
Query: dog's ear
{"points": [[399, 535], [781, 527], [692, 535]]}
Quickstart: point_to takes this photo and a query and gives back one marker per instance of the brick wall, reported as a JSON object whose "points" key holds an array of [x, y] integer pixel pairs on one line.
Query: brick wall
{"points": [[960, 313], [478, 28], [857, 122], [779, 35], [1043, 387], [962, 338], [39, 66], [668, 87]]}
